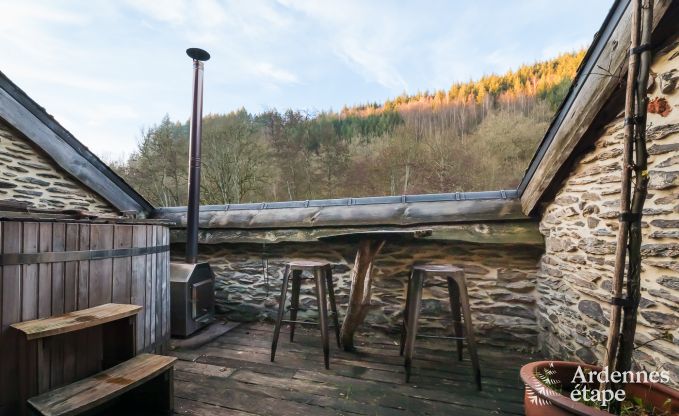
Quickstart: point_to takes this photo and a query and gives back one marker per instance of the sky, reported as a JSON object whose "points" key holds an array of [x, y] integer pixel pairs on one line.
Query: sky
{"points": [[108, 69]]}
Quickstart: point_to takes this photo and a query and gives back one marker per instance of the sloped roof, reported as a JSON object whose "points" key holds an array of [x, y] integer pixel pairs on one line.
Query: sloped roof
{"points": [[595, 97], [41, 129]]}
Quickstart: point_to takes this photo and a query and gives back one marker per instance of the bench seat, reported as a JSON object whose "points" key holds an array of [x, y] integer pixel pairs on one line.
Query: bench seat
{"points": [[101, 388], [75, 321]]}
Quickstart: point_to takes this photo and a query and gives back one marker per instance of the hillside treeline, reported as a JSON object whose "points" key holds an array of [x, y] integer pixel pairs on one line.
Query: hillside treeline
{"points": [[478, 135]]}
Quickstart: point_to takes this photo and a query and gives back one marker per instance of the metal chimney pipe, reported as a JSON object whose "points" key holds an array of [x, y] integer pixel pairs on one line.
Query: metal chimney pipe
{"points": [[198, 56]]}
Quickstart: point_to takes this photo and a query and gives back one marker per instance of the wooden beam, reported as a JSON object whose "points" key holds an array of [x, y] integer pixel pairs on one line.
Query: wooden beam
{"points": [[28, 118], [402, 214], [508, 232], [592, 90]]}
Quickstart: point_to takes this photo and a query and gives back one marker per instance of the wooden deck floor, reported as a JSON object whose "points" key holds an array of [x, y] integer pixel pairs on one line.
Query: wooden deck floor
{"points": [[232, 375]]}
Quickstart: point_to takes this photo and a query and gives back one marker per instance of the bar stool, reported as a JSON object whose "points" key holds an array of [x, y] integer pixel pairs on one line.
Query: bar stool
{"points": [[322, 277], [459, 307]]}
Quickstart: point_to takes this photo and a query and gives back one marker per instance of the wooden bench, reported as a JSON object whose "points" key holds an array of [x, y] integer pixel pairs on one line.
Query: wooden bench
{"points": [[75, 321], [113, 352], [150, 374]]}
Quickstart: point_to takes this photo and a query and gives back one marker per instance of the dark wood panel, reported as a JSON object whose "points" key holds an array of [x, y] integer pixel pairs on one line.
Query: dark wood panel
{"points": [[83, 267], [57, 347], [11, 311], [29, 295], [148, 317], [101, 271], [45, 272], [122, 266], [29, 310], [70, 299], [153, 307], [138, 289]]}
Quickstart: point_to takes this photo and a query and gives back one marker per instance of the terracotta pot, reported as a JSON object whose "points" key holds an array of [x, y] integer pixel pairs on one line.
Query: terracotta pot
{"points": [[542, 401]]}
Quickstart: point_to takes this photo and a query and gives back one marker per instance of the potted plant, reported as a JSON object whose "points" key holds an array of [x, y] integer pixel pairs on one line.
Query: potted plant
{"points": [[571, 388]]}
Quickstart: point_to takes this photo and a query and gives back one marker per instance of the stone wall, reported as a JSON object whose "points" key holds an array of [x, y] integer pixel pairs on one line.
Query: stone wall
{"points": [[580, 227], [26, 175], [501, 280]]}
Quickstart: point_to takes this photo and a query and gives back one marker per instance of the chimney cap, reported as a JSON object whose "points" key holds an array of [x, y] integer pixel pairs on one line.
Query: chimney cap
{"points": [[198, 54]]}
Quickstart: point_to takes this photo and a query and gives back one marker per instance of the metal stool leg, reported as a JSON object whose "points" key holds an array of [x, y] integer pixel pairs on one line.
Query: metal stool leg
{"points": [[404, 322], [323, 314], [294, 302], [471, 342], [333, 304], [454, 295], [413, 315], [281, 312]]}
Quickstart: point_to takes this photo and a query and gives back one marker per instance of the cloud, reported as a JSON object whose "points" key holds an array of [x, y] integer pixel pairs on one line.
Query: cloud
{"points": [[278, 75], [371, 48], [168, 11], [110, 67]]}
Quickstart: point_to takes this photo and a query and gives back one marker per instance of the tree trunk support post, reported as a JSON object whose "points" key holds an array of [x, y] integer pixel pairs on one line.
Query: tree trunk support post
{"points": [[361, 284]]}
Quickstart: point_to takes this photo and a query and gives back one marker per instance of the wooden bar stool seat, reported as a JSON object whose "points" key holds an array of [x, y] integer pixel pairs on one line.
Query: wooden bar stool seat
{"points": [[459, 307], [321, 273]]}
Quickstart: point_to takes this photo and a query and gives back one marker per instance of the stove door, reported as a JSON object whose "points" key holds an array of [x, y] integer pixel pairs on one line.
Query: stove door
{"points": [[201, 299]]}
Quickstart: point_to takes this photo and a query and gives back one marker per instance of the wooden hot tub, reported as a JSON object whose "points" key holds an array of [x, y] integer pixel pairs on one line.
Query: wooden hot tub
{"points": [[49, 267]]}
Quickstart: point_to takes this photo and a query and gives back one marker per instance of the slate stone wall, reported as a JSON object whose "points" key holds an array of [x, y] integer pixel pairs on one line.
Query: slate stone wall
{"points": [[580, 227], [501, 280], [26, 175]]}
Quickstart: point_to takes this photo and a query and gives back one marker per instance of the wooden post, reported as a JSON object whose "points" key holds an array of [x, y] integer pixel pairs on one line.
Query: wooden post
{"points": [[629, 323], [359, 296], [623, 230]]}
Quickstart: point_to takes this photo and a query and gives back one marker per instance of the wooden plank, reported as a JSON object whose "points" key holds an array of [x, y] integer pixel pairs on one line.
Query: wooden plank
{"points": [[71, 269], [297, 354], [220, 395], [29, 295], [45, 272], [148, 293], [83, 268], [29, 310], [295, 392], [70, 302], [75, 321], [43, 356], [87, 342], [597, 88], [138, 284], [91, 392], [190, 407], [154, 285], [360, 398], [379, 357], [166, 290], [101, 271], [58, 295], [88, 351], [58, 244], [11, 312], [458, 373], [122, 267]]}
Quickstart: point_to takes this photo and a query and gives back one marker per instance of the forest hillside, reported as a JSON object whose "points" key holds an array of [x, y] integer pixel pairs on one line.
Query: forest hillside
{"points": [[477, 135]]}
